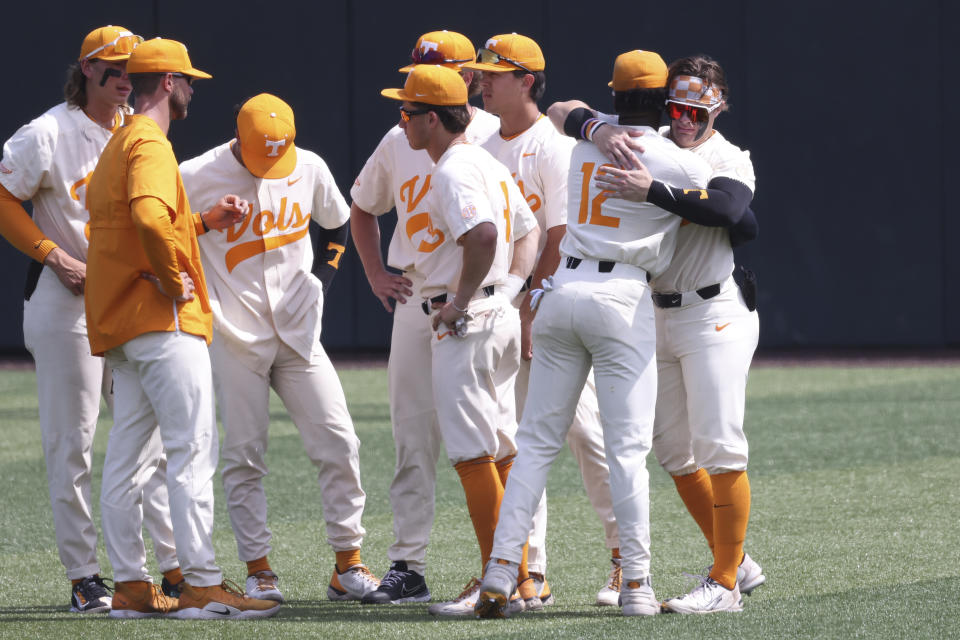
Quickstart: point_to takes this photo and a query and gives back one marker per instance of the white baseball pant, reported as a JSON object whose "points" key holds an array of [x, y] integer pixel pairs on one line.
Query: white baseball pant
{"points": [[70, 382], [605, 320], [162, 384], [416, 431], [704, 352], [473, 381], [585, 439], [311, 392]]}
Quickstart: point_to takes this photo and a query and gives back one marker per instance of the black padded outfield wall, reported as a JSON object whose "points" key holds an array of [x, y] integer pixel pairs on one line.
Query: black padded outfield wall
{"points": [[848, 110]]}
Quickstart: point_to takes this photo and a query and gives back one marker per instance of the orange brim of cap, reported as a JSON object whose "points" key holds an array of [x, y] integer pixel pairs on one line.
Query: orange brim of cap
{"points": [[396, 94], [456, 66], [483, 66], [196, 73], [271, 168]]}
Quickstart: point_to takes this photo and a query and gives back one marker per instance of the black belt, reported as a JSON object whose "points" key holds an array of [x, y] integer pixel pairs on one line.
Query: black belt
{"points": [[603, 266], [672, 300], [427, 305]]}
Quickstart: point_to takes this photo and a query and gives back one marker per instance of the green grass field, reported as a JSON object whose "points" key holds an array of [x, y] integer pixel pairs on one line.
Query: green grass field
{"points": [[856, 501]]}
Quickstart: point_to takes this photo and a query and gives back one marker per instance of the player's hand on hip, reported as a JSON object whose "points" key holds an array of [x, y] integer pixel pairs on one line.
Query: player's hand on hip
{"points": [[188, 286], [227, 212], [632, 184], [618, 144], [447, 314], [386, 285], [72, 272]]}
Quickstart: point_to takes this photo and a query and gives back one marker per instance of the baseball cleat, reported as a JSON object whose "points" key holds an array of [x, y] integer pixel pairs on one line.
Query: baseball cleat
{"points": [[543, 588], [221, 602], [90, 595], [528, 594], [708, 597], [352, 584], [169, 589], [263, 586], [460, 607], [609, 596], [749, 574], [637, 599], [399, 585], [499, 584], [142, 599]]}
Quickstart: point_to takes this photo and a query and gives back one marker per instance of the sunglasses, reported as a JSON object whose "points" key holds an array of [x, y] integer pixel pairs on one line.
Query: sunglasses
{"points": [[406, 114], [189, 79], [123, 45], [486, 56], [676, 110], [433, 56]]}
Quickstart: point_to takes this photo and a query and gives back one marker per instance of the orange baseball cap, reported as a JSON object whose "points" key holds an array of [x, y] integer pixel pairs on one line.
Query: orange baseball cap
{"points": [[109, 43], [267, 131], [431, 84], [509, 52], [163, 56], [448, 48], [638, 70]]}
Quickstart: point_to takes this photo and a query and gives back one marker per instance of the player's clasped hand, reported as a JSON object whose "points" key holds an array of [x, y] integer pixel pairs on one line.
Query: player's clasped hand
{"points": [[618, 144], [227, 212], [627, 184], [188, 286]]}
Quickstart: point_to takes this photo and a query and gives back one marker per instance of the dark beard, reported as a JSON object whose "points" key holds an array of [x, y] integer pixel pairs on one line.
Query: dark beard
{"points": [[178, 104]]}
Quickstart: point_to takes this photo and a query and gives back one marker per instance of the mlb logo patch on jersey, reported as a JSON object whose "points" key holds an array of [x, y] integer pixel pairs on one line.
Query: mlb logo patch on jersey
{"points": [[469, 212], [4, 169]]}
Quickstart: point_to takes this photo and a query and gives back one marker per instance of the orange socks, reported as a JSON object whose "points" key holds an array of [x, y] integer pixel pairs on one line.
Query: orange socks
{"points": [[258, 565], [347, 559], [731, 511], [484, 491], [696, 491]]}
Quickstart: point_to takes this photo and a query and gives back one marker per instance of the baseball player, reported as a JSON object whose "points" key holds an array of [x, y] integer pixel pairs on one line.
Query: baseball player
{"points": [[538, 156], [148, 312], [598, 311], [267, 309], [707, 331], [49, 161], [397, 176], [487, 238]]}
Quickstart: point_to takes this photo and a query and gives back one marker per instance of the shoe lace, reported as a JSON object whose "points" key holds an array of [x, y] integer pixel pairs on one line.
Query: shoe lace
{"points": [[94, 587], [393, 578], [472, 586], [616, 578], [231, 587], [266, 579]]}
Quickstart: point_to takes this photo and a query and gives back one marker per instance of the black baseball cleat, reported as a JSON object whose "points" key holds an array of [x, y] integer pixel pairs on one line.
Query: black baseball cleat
{"points": [[90, 595], [399, 585], [169, 589]]}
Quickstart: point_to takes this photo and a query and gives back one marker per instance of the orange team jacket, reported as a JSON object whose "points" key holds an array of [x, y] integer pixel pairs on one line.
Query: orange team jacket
{"points": [[121, 305]]}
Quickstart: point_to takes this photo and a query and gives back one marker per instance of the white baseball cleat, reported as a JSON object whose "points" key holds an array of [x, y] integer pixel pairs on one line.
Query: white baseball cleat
{"points": [[352, 584], [543, 588], [609, 596], [460, 607], [749, 574], [263, 586], [499, 584], [708, 597], [637, 598]]}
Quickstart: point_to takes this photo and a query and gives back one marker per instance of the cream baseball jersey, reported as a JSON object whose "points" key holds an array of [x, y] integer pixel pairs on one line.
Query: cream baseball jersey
{"points": [[470, 187], [703, 255], [49, 161], [258, 271], [398, 177], [640, 234], [539, 159]]}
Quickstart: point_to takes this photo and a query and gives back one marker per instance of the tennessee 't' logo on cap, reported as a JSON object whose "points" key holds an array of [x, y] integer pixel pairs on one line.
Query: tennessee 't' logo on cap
{"points": [[274, 146]]}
